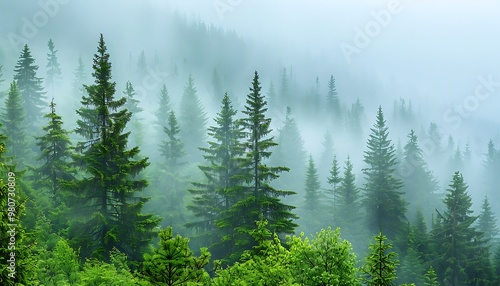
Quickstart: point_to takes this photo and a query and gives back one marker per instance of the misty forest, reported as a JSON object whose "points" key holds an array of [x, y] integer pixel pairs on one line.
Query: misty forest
{"points": [[249, 143]]}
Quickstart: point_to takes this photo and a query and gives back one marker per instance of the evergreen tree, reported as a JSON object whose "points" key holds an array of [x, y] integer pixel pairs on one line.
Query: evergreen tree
{"points": [[284, 92], [193, 120], [2, 93], [334, 180], [56, 151], [380, 265], [132, 105], [419, 184], [491, 167], [257, 198], [14, 127], [312, 207], [348, 215], [383, 201], [461, 256], [30, 87], [435, 135], [216, 86], [108, 201], [142, 65], [327, 153], [79, 79], [213, 198], [173, 263], [496, 265], [333, 107], [54, 73], [354, 120], [272, 97], [290, 152], [164, 107], [170, 186], [431, 278], [487, 222]]}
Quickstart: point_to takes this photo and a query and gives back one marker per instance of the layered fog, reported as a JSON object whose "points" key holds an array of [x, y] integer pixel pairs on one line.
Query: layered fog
{"points": [[432, 66]]}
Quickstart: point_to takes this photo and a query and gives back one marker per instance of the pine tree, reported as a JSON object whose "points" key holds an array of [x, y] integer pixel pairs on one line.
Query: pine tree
{"points": [[173, 263], [132, 105], [142, 65], [257, 198], [272, 97], [164, 107], [461, 256], [54, 73], [193, 120], [79, 79], [491, 167], [170, 184], [312, 207], [431, 278], [383, 201], [56, 151], [14, 127], [109, 203], [217, 89], [419, 184], [487, 222], [290, 152], [212, 198], [334, 180], [284, 92], [354, 119], [380, 265], [349, 217], [333, 107], [496, 264], [327, 153], [30, 87]]}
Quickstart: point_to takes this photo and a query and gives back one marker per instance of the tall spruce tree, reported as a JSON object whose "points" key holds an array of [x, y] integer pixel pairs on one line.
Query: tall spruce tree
{"points": [[333, 107], [164, 107], [193, 120], [132, 105], [257, 199], [170, 184], [419, 184], [214, 197], [383, 201], [349, 217], [487, 222], [461, 257], [2, 93], [56, 151], [79, 79], [31, 89], [290, 152], [334, 179], [14, 127], [109, 203], [54, 73], [491, 167], [312, 207]]}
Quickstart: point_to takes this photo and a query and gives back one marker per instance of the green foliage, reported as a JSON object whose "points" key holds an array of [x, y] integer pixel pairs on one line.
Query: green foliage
{"points": [[30, 87], [419, 184], [193, 120], [431, 278], [132, 105], [106, 196], [173, 262], [290, 153], [383, 202], [58, 265], [214, 197], [164, 107], [53, 68], [257, 199], [268, 263], [380, 265], [325, 259], [312, 208], [487, 223], [15, 128], [460, 253], [333, 105]]}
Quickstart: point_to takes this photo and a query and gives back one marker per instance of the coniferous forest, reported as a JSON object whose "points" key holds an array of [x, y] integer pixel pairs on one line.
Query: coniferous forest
{"points": [[174, 151]]}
